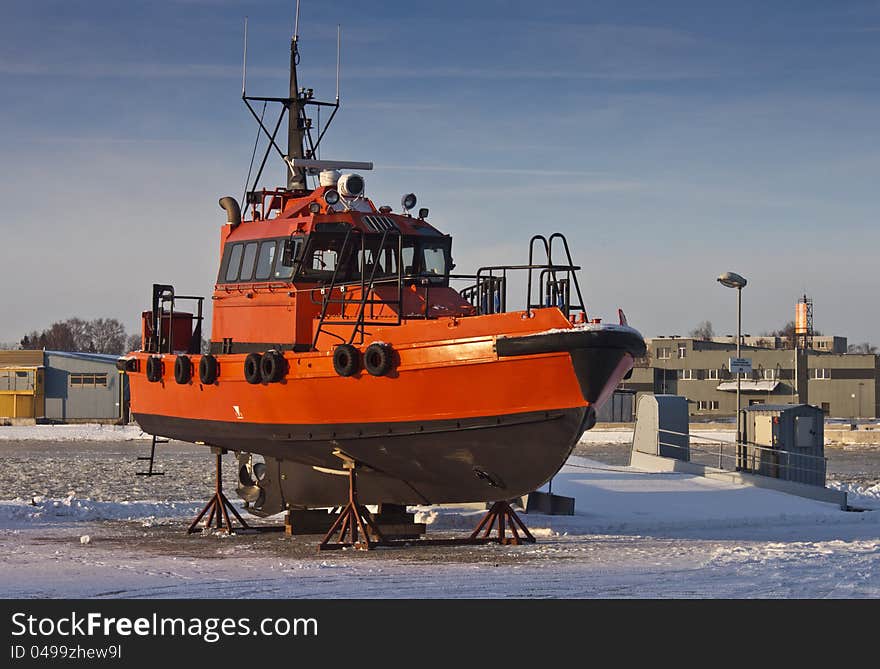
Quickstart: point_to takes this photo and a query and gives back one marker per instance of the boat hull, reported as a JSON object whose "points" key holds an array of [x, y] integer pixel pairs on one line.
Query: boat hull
{"points": [[477, 459], [481, 417]]}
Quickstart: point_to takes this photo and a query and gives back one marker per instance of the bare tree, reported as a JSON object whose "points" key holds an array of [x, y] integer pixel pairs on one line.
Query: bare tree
{"points": [[864, 347], [106, 335], [80, 330], [59, 337], [703, 331], [133, 343], [101, 335]]}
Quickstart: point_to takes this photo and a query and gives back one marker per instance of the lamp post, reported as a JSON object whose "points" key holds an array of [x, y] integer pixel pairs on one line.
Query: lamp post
{"points": [[733, 280]]}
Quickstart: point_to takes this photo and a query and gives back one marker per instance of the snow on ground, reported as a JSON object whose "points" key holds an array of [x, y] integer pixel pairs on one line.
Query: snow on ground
{"points": [[80, 432], [862, 497], [635, 534], [26, 512]]}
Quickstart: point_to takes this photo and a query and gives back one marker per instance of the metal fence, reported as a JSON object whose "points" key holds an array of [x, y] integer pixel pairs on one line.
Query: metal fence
{"points": [[746, 457]]}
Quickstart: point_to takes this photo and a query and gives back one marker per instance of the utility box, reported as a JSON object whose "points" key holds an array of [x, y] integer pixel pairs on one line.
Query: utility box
{"points": [[785, 441], [662, 427]]}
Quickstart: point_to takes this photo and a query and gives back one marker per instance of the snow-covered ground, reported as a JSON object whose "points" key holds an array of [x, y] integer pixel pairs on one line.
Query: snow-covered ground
{"points": [[81, 432], [635, 534]]}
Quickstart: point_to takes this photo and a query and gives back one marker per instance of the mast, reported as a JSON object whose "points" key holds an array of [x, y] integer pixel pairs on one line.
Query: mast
{"points": [[296, 176], [301, 145]]}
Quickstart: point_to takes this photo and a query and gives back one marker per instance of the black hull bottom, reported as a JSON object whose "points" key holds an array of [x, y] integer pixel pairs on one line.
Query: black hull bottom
{"points": [[469, 460]]}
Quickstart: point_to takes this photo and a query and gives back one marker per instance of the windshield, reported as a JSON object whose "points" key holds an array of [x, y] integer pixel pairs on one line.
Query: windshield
{"points": [[367, 257]]}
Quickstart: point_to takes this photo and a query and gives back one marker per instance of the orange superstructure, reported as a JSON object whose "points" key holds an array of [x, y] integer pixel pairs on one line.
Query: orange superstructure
{"points": [[340, 331]]}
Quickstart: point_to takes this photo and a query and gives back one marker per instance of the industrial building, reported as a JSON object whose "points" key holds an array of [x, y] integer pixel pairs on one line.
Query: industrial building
{"points": [[61, 387], [844, 385]]}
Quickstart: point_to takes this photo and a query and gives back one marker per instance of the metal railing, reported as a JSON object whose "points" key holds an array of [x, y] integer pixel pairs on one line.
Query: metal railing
{"points": [[554, 285], [748, 457]]}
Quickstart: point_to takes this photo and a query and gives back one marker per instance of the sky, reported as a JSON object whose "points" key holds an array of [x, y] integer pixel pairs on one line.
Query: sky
{"points": [[669, 142]]}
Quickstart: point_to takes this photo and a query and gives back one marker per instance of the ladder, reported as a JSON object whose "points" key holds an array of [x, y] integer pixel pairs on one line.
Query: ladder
{"points": [[152, 458]]}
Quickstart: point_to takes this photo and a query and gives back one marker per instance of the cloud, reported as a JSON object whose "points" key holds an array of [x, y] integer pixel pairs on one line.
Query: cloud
{"points": [[472, 169]]}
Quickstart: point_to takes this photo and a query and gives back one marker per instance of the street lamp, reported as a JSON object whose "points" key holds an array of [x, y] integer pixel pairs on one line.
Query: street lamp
{"points": [[733, 280]]}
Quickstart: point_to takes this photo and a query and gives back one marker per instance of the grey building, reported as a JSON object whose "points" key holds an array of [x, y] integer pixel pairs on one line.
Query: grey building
{"points": [[844, 385], [57, 386], [84, 387]]}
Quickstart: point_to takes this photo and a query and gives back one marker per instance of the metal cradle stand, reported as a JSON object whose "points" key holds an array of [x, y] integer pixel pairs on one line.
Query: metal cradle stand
{"points": [[219, 506], [355, 526], [354, 519], [502, 514]]}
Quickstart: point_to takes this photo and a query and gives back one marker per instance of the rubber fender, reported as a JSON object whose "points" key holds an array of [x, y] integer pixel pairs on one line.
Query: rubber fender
{"points": [[378, 359], [154, 369], [273, 367], [252, 371], [209, 370], [346, 360], [183, 369]]}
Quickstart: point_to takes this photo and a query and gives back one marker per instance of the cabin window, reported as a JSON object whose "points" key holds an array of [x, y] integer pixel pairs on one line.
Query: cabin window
{"points": [[265, 260], [283, 271], [234, 262], [383, 261], [408, 254], [321, 256], [435, 261], [247, 263]]}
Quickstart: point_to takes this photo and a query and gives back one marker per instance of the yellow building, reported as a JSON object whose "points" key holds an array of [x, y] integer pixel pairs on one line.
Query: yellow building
{"points": [[22, 387]]}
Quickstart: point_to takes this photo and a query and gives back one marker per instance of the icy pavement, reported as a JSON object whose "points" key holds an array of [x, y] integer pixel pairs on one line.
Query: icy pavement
{"points": [[635, 534], [81, 432]]}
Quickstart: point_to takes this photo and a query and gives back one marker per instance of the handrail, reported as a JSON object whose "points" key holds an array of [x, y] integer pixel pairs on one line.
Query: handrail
{"points": [[367, 287], [752, 458]]}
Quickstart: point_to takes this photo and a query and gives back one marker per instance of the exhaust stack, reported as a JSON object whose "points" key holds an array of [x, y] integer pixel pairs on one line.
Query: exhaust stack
{"points": [[233, 211]]}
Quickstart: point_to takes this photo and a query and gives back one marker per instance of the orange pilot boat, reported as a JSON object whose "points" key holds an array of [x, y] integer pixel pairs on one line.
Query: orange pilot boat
{"points": [[340, 344]]}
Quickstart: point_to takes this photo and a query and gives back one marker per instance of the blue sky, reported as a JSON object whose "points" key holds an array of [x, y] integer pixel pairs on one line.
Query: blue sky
{"points": [[668, 141]]}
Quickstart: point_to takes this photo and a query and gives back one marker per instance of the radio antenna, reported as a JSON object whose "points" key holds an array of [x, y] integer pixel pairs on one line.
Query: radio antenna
{"points": [[338, 50], [296, 23], [244, 59]]}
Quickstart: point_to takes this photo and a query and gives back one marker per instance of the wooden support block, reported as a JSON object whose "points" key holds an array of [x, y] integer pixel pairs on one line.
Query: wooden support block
{"points": [[308, 521]]}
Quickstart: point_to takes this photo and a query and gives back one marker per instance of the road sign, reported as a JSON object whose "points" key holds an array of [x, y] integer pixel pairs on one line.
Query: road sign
{"points": [[740, 365]]}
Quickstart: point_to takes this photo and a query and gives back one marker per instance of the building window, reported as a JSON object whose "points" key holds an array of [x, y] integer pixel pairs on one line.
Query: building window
{"points": [[713, 374], [682, 351], [826, 408], [707, 405], [687, 374], [818, 373], [754, 402], [79, 380], [664, 353], [770, 374]]}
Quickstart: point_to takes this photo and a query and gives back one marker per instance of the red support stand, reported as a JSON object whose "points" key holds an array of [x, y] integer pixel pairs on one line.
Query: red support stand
{"points": [[218, 507], [354, 519], [502, 514]]}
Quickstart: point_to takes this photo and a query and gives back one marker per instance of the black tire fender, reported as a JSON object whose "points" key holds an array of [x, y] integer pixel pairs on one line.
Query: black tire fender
{"points": [[346, 360], [273, 367], [378, 359], [252, 373], [209, 370], [183, 369], [154, 369]]}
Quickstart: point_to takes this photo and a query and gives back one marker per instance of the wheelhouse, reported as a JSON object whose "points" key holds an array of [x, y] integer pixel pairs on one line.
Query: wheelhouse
{"points": [[341, 253]]}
